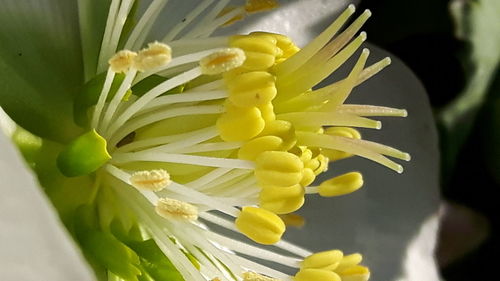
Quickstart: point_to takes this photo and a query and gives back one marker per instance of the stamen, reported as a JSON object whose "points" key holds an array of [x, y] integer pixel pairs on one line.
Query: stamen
{"points": [[371, 110], [142, 28], [260, 225], [175, 209], [142, 121], [356, 147], [153, 93], [122, 61], [110, 75], [154, 180], [313, 47], [119, 158], [186, 20], [155, 55], [341, 185], [222, 61], [207, 20], [329, 119]]}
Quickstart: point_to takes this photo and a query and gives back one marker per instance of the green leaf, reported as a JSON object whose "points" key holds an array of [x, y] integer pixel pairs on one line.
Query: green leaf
{"points": [[40, 65]]}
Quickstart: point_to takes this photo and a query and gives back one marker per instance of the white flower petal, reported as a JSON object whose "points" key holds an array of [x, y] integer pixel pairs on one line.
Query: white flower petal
{"points": [[34, 243]]}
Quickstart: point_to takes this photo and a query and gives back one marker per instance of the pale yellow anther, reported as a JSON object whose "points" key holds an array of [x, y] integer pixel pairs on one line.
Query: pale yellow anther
{"points": [[260, 51], [154, 180], [281, 199], [252, 276], [282, 129], [122, 61], [355, 273], [175, 209], [313, 274], [327, 260], [253, 6], [240, 123], [278, 168], [340, 185], [262, 226], [155, 55], [253, 148], [222, 61], [251, 89]]}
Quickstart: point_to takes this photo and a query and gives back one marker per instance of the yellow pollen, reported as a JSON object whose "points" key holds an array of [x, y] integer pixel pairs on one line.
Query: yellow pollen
{"points": [[252, 276], [260, 225], [222, 61], [155, 55], [175, 209], [253, 6], [122, 61], [154, 180]]}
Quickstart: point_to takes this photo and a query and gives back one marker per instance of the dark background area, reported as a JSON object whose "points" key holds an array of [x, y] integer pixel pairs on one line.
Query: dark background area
{"points": [[425, 40]]}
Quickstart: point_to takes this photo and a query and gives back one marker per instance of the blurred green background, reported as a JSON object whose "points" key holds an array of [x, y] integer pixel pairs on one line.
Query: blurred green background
{"points": [[454, 48]]}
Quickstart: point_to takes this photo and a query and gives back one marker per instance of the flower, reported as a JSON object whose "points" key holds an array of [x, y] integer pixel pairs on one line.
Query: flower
{"points": [[294, 164]]}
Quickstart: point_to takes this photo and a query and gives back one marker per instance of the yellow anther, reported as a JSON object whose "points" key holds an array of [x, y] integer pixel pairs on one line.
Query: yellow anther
{"points": [[122, 61], [154, 180], [286, 46], [260, 225], [252, 276], [341, 185], [313, 274], [260, 51], [215, 279], [346, 132], [253, 6], [308, 177], [349, 261], [251, 89], [222, 61], [278, 168], [251, 149], [327, 260], [267, 111], [355, 273], [155, 55], [240, 124], [282, 129], [175, 209]]}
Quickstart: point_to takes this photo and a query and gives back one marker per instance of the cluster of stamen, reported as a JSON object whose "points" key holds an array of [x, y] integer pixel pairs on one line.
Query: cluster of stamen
{"points": [[238, 128]]}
